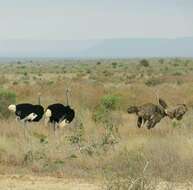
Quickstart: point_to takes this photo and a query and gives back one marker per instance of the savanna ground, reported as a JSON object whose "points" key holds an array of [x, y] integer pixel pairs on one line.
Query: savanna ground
{"points": [[102, 148]]}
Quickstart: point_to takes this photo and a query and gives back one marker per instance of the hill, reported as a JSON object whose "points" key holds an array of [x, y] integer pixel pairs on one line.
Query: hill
{"points": [[107, 48]]}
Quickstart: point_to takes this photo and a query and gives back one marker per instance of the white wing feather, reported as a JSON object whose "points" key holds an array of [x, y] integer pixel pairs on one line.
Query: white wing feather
{"points": [[31, 116]]}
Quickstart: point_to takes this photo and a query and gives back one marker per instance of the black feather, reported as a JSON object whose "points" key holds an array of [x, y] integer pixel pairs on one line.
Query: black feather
{"points": [[60, 113], [25, 109]]}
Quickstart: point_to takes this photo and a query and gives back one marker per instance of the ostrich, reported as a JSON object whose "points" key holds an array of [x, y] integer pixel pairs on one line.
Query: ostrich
{"points": [[176, 112], [59, 115], [150, 113], [27, 112]]}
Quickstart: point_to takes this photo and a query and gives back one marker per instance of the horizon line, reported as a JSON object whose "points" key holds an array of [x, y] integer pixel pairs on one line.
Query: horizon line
{"points": [[111, 38]]}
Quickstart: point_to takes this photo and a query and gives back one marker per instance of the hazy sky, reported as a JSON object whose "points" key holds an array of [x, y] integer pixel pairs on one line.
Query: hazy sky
{"points": [[90, 19]]}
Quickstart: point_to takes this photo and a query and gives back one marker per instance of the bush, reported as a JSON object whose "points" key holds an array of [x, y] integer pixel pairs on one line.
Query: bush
{"points": [[100, 114], [110, 102], [98, 63], [107, 73], [114, 64], [6, 98], [107, 104], [161, 61], [144, 63], [153, 82]]}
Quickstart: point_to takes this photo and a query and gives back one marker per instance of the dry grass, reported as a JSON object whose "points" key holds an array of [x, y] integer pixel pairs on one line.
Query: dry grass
{"points": [[86, 149], [168, 151]]}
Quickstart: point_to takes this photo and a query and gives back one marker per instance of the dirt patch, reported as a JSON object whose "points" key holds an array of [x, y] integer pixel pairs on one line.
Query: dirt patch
{"points": [[174, 186], [27, 182], [17, 182]]}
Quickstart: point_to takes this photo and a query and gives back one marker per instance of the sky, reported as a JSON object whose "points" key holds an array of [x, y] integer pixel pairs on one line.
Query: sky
{"points": [[95, 19]]}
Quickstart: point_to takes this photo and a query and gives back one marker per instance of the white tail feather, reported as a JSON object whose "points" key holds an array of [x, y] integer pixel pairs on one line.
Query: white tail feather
{"points": [[12, 108], [63, 124], [48, 113], [31, 116]]}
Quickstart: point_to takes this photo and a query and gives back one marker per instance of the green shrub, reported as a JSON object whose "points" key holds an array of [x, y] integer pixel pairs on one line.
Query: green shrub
{"points": [[114, 64], [107, 104], [25, 73], [110, 102], [6, 98], [98, 63], [100, 114], [144, 63]]}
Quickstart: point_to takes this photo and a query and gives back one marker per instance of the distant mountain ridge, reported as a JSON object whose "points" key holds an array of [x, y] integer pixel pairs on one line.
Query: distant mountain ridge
{"points": [[107, 48]]}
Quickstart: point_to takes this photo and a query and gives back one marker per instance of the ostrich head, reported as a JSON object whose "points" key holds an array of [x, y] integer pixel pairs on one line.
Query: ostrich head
{"points": [[132, 109], [174, 113], [180, 111], [177, 112]]}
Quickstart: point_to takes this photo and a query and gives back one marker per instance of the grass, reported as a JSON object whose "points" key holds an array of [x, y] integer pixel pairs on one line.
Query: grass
{"points": [[168, 152], [113, 150]]}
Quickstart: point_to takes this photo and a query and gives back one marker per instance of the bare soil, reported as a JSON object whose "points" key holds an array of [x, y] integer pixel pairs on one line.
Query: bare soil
{"points": [[28, 182], [17, 182]]}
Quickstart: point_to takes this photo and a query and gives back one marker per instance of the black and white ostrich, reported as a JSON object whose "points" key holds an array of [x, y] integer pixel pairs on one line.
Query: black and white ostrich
{"points": [[27, 112], [59, 115]]}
